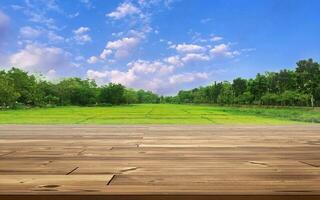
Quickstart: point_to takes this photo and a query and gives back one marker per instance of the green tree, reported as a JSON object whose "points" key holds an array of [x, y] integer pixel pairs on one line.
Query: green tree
{"points": [[130, 96], [147, 97], [239, 86], [212, 92], [74, 91], [245, 99], [270, 99], [112, 94], [227, 95], [25, 85], [308, 78], [8, 95], [258, 86], [287, 80]]}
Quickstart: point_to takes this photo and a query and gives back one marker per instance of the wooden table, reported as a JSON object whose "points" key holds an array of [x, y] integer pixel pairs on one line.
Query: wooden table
{"points": [[160, 162]]}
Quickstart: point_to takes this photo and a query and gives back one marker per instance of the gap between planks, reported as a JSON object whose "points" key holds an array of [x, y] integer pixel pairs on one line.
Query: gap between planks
{"points": [[72, 170]]}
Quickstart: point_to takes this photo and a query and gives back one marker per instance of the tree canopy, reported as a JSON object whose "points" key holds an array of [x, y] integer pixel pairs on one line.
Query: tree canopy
{"points": [[298, 87], [18, 88]]}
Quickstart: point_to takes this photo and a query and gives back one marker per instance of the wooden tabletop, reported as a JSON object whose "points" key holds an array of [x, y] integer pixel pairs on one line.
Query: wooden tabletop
{"points": [[160, 162]]}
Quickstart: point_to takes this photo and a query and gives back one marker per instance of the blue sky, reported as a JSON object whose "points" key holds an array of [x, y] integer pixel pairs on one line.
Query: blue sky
{"points": [[158, 45]]}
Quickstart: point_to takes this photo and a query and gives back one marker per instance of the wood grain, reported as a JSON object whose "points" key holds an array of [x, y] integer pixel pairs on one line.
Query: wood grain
{"points": [[156, 162]]}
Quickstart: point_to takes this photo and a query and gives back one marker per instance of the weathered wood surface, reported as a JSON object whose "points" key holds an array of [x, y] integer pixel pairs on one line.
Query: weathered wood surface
{"points": [[229, 162]]}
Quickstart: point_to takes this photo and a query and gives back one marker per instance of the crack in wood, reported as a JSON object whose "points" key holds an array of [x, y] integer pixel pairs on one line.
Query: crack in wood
{"points": [[47, 163], [72, 171], [8, 153], [310, 164], [295, 191], [80, 152], [129, 169], [259, 163], [111, 179], [50, 186]]}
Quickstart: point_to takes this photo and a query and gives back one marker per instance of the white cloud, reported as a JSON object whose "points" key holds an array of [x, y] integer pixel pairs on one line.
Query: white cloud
{"points": [[52, 5], [123, 43], [194, 57], [81, 30], [81, 35], [188, 48], [81, 39], [216, 38], [105, 53], [140, 34], [87, 3], [53, 37], [51, 74], [174, 60], [29, 32], [220, 49], [16, 7], [149, 3], [114, 76], [156, 76], [41, 19], [205, 20], [103, 56], [119, 34], [223, 50], [124, 10], [123, 47], [38, 58], [248, 49], [74, 15], [147, 67], [93, 60], [187, 77], [37, 11]]}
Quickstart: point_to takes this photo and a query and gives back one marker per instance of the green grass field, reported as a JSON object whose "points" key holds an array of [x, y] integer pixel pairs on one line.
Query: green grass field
{"points": [[160, 114]]}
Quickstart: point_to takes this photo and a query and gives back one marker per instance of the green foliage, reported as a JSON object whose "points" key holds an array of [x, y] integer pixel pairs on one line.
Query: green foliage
{"points": [[25, 85], [300, 87], [130, 96], [74, 91], [226, 95], [8, 95], [308, 78], [245, 98], [147, 97], [112, 93], [270, 99], [18, 89], [239, 86]]}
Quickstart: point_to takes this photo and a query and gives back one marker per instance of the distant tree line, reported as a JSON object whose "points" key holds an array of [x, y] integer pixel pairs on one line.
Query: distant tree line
{"points": [[299, 87], [19, 89]]}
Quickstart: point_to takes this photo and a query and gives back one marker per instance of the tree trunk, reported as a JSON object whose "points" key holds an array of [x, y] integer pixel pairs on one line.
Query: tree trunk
{"points": [[312, 101]]}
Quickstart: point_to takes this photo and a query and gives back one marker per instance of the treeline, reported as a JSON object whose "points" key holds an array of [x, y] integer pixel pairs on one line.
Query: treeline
{"points": [[18, 89], [299, 87]]}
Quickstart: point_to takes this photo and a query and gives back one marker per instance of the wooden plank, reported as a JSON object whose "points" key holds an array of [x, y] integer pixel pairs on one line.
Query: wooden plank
{"points": [[153, 162], [52, 183]]}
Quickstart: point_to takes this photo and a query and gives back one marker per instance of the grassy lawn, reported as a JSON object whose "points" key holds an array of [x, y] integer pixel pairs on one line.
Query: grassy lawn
{"points": [[160, 114]]}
